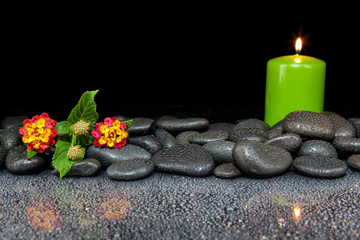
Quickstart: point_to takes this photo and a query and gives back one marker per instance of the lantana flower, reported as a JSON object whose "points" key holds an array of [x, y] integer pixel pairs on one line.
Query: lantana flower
{"points": [[74, 153], [39, 132], [110, 133], [81, 127]]}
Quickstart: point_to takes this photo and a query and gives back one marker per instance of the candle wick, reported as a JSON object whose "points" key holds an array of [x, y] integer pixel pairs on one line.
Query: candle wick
{"points": [[297, 58]]}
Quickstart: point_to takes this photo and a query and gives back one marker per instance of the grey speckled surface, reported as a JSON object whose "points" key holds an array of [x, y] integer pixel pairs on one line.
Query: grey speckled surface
{"points": [[165, 206]]}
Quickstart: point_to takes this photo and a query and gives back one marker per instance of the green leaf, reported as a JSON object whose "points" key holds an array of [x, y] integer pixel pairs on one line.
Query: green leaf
{"points": [[86, 140], [63, 127], [30, 153], [60, 160], [128, 123], [85, 109]]}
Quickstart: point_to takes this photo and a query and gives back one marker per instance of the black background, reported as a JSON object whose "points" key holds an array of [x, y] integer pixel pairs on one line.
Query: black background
{"points": [[151, 62]]}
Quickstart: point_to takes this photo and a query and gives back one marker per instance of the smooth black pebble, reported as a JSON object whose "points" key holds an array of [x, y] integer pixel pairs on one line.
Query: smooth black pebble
{"points": [[309, 124], [227, 170], [188, 159], [133, 169], [354, 161], [320, 167], [260, 160], [317, 148], [17, 162]]}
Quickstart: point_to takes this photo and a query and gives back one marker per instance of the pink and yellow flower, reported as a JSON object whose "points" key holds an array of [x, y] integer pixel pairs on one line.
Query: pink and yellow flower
{"points": [[110, 133], [39, 132]]}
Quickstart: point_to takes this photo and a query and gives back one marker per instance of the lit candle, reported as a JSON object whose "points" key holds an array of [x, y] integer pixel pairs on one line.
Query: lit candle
{"points": [[294, 82]]}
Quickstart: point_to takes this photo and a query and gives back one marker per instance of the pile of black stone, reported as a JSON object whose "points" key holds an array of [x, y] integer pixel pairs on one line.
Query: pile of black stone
{"points": [[312, 144]]}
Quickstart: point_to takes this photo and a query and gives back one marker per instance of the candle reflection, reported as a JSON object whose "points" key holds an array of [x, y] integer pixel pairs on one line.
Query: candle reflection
{"points": [[297, 212]]}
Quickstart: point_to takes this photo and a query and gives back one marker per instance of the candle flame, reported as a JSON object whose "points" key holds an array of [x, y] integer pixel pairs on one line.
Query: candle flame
{"points": [[298, 45], [297, 211]]}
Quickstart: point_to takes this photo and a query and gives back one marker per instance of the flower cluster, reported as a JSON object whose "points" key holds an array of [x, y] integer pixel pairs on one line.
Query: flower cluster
{"points": [[110, 133], [74, 153], [81, 127], [39, 132]]}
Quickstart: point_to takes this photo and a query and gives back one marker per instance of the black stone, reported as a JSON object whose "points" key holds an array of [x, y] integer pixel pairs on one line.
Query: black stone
{"points": [[122, 118], [224, 126], [274, 133], [108, 156], [184, 137], [320, 167], [355, 122], [3, 153], [260, 160], [166, 139], [10, 138], [140, 126], [133, 169], [252, 134], [343, 128], [148, 142], [86, 168], [227, 170], [252, 123], [347, 145], [288, 141], [354, 162], [13, 122], [17, 162], [181, 124], [206, 137], [317, 148], [221, 151], [189, 159], [309, 124], [278, 126]]}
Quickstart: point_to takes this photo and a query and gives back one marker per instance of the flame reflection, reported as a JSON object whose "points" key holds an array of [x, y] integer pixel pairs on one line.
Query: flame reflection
{"points": [[297, 212]]}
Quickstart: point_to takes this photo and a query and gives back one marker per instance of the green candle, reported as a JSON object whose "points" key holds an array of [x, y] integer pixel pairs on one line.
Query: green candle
{"points": [[294, 82]]}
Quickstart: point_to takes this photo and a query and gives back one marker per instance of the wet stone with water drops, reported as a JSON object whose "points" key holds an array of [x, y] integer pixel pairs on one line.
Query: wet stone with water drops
{"points": [[260, 160], [320, 167], [354, 161], [132, 169], [188, 159], [309, 124], [18, 163]]}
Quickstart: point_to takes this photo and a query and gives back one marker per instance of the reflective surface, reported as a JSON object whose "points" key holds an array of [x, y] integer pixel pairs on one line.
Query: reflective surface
{"points": [[165, 206]]}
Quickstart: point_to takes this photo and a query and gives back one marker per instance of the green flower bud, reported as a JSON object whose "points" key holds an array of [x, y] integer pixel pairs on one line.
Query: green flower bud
{"points": [[81, 127], [74, 153]]}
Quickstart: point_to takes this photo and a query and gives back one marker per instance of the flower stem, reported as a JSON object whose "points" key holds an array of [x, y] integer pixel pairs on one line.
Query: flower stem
{"points": [[73, 140]]}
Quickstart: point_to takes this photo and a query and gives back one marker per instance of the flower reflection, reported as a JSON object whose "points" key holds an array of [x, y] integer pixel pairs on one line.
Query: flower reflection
{"points": [[114, 208], [43, 215]]}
